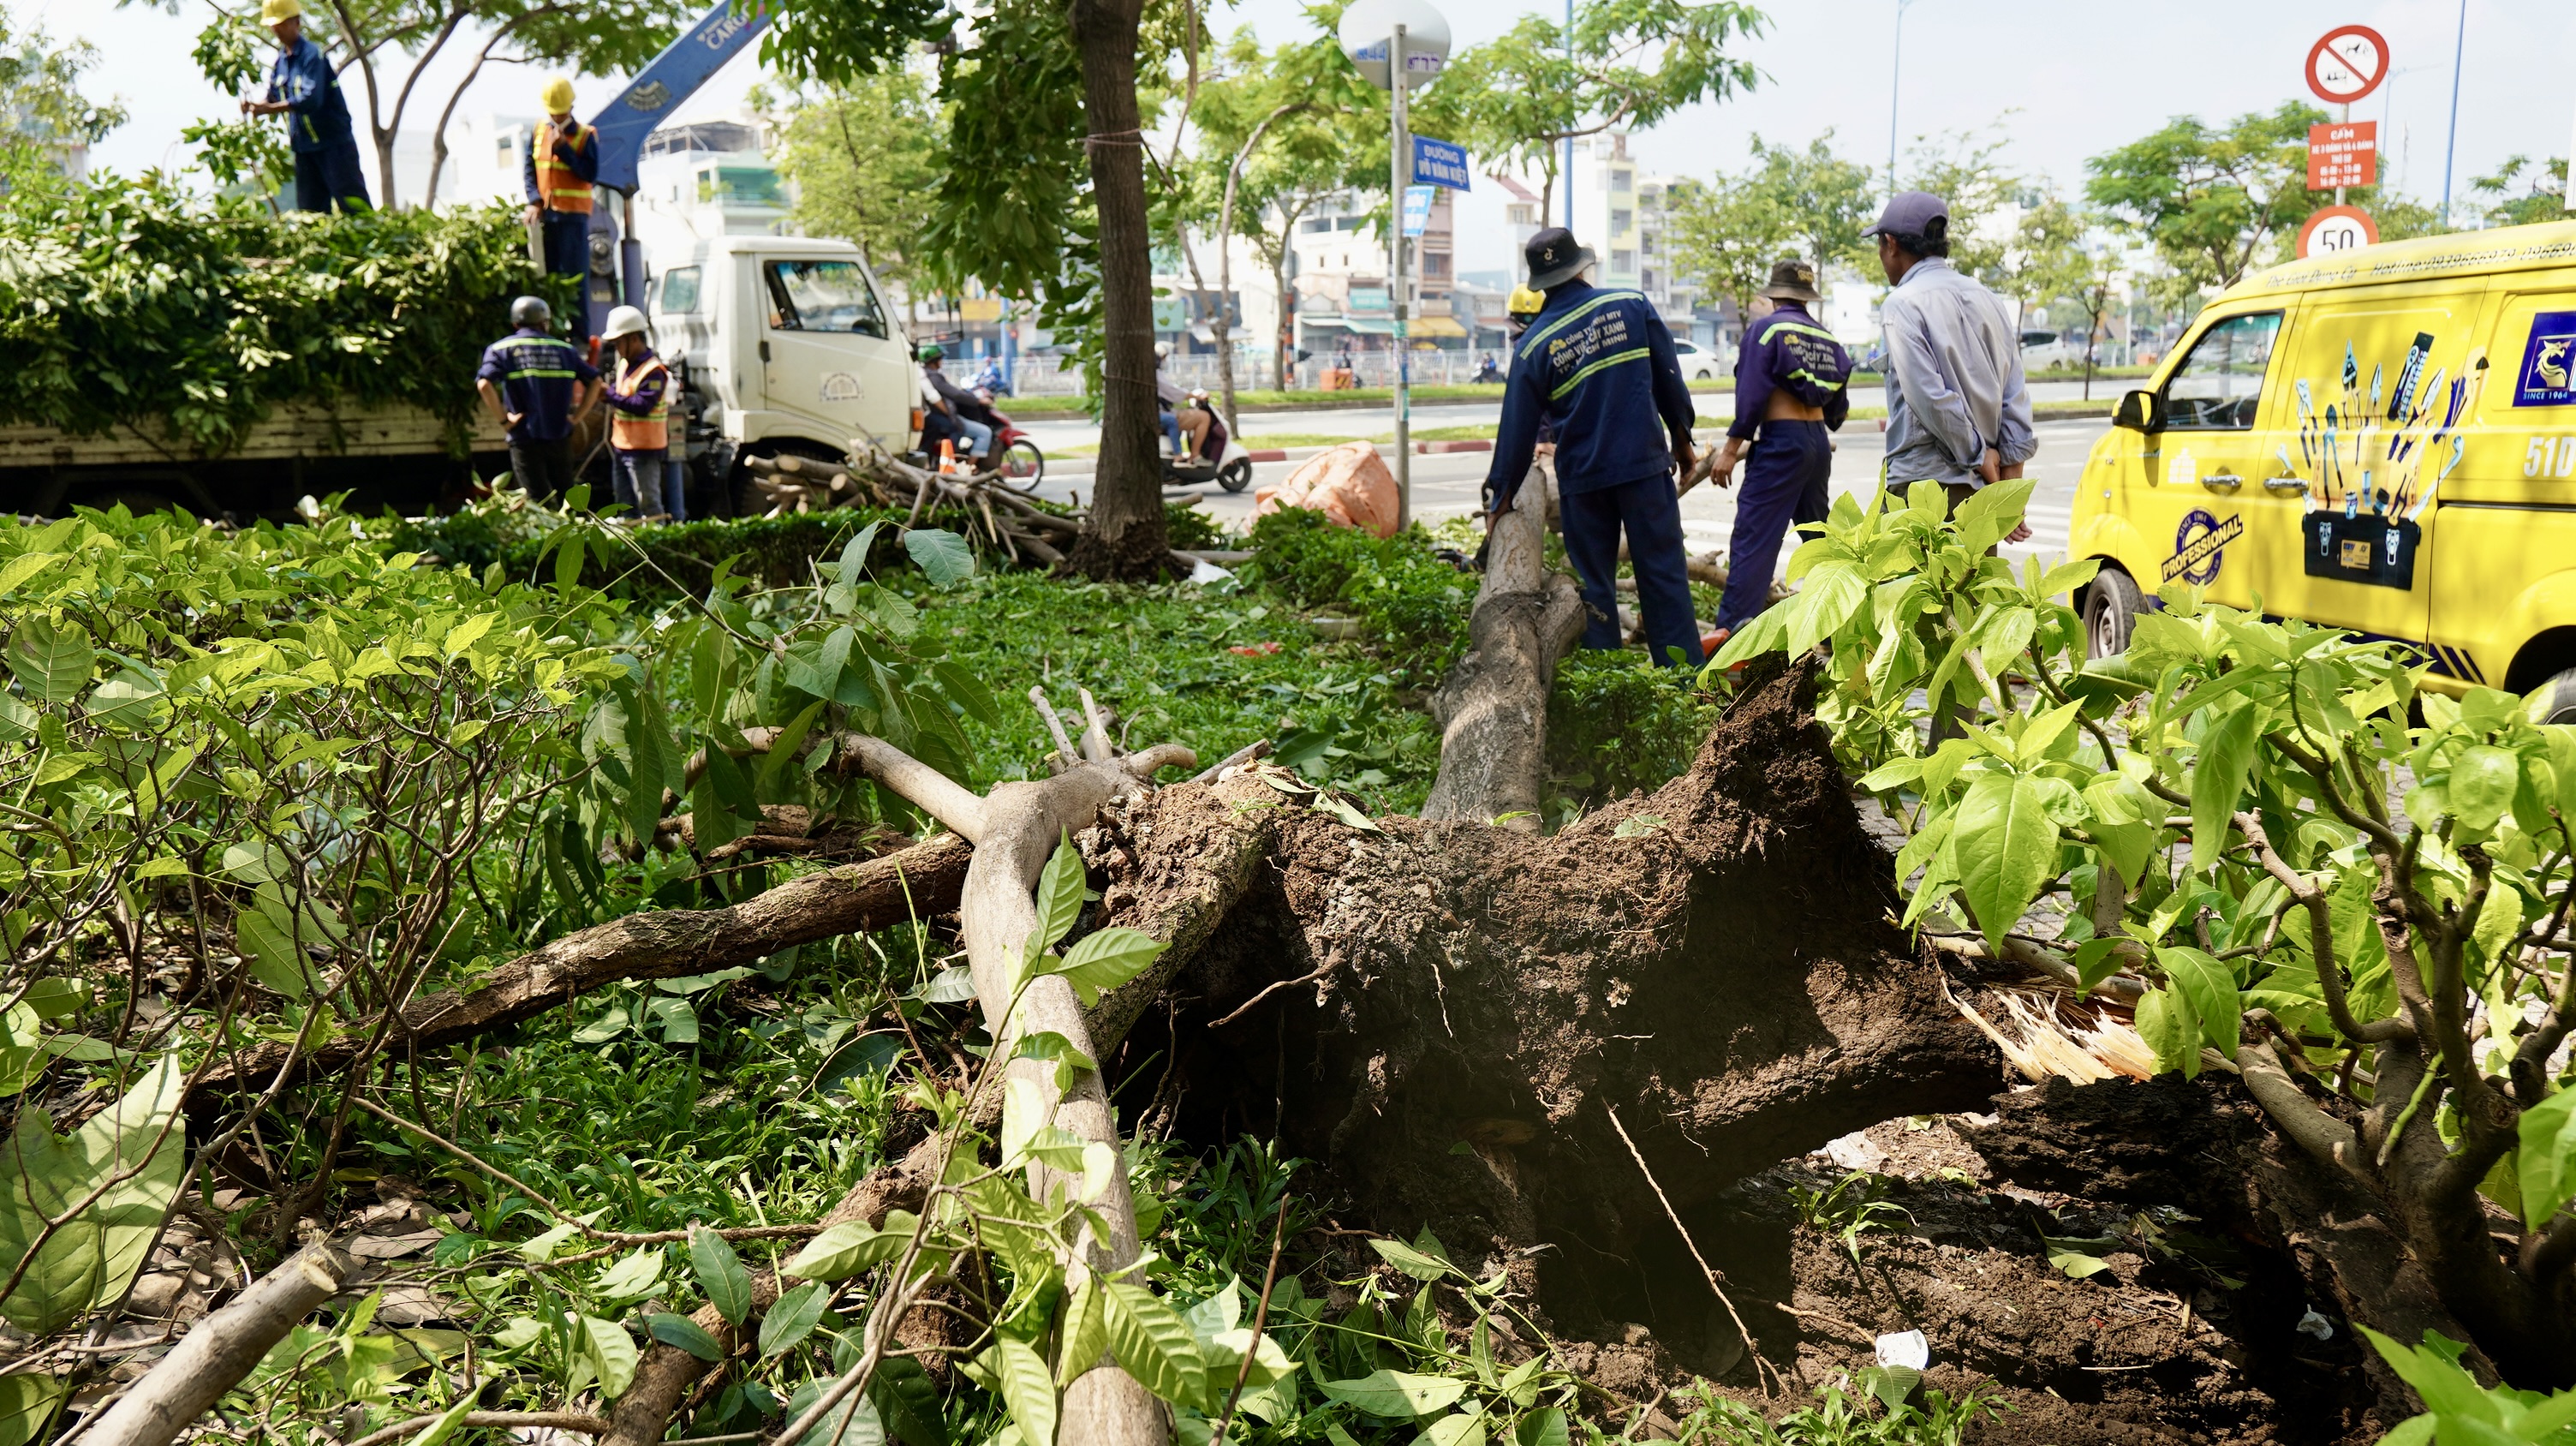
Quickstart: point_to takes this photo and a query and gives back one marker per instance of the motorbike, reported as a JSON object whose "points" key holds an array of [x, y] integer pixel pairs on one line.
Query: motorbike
{"points": [[1219, 458], [1015, 453]]}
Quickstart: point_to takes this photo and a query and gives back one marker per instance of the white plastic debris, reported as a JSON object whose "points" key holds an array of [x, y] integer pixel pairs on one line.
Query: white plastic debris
{"points": [[1204, 571], [2313, 1324], [1856, 1151], [1904, 1348]]}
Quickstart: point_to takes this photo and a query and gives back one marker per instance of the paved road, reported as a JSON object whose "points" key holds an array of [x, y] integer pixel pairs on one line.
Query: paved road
{"points": [[1446, 485]]}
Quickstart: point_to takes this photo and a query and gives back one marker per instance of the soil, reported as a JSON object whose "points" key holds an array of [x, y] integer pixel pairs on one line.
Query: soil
{"points": [[1471, 1019]]}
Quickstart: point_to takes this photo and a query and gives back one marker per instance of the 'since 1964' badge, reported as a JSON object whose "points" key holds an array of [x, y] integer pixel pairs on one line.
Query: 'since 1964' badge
{"points": [[2548, 377]]}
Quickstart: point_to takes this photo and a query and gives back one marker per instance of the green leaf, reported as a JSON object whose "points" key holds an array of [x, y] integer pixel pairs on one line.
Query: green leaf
{"points": [[2218, 782], [2483, 779], [2075, 1263], [52, 660], [631, 1278], [17, 720], [1824, 602], [1397, 1395], [720, 1274], [1466, 1428], [942, 556], [854, 556], [1086, 1332], [1412, 1262], [612, 1353], [27, 1405], [1105, 959], [2211, 988], [1153, 1343], [1544, 1427], [681, 1333], [2545, 1159], [1060, 893], [851, 1246], [274, 960], [2166, 1022], [24, 566], [1046, 1044], [2007, 849], [1025, 1386], [439, 1430], [792, 1318], [88, 1262]]}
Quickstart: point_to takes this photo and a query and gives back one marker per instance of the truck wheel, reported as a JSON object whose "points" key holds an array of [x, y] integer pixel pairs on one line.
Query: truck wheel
{"points": [[2559, 698], [2111, 608]]}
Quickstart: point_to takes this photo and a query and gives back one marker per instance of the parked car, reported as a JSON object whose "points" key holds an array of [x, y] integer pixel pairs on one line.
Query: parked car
{"points": [[1698, 363], [2041, 350]]}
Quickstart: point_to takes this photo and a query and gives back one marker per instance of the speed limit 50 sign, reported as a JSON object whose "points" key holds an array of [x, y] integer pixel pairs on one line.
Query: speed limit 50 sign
{"points": [[2337, 228]]}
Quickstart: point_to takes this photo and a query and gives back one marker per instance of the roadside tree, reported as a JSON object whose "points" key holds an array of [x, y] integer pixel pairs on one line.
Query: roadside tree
{"points": [[40, 94], [1630, 63], [865, 157], [2520, 193], [2213, 200], [1725, 233]]}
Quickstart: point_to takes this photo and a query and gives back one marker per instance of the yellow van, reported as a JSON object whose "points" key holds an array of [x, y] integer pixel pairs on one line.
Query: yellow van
{"points": [[2382, 440]]}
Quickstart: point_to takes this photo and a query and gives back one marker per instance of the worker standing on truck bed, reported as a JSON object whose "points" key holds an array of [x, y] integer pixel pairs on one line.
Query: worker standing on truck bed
{"points": [[529, 379], [302, 87], [561, 164], [639, 421]]}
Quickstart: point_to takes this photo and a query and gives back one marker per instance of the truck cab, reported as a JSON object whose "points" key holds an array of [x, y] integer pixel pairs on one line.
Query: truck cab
{"points": [[786, 345]]}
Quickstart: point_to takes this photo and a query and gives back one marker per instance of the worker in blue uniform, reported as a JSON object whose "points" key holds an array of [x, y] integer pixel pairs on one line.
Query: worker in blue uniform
{"points": [[537, 385], [1789, 393], [303, 88], [1599, 365]]}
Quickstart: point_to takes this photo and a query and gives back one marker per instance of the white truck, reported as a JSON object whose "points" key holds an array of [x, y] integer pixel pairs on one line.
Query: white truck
{"points": [[782, 344]]}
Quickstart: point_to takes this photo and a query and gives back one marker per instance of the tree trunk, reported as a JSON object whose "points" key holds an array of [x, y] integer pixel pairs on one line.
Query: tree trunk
{"points": [[1126, 536], [1492, 710]]}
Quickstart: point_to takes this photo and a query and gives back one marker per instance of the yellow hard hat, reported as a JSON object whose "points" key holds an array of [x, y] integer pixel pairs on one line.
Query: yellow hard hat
{"points": [[556, 96], [1525, 302], [272, 11]]}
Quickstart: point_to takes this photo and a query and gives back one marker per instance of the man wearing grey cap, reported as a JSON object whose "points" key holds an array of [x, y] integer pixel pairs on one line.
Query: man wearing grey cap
{"points": [[1958, 412]]}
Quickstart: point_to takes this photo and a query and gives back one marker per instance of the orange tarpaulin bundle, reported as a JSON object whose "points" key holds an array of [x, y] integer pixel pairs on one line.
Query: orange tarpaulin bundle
{"points": [[1348, 484]]}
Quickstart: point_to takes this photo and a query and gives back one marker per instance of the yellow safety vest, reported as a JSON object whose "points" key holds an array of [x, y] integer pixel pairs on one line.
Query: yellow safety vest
{"points": [[563, 189], [650, 432]]}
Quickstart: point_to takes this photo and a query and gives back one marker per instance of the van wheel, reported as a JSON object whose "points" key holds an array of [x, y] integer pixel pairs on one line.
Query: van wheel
{"points": [[2559, 698], [2111, 608]]}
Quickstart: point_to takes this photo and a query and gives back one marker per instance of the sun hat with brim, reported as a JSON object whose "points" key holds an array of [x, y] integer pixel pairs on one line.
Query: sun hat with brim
{"points": [[1791, 280], [1554, 258]]}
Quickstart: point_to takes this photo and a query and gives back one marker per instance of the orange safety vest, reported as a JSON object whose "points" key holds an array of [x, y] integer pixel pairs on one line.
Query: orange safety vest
{"points": [[564, 190], [650, 432]]}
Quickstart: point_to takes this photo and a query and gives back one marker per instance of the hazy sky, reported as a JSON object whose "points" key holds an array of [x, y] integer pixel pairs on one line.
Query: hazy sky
{"points": [[2067, 81]]}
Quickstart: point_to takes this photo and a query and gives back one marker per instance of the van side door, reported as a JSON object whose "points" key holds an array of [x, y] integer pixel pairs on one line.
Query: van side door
{"points": [[2204, 501]]}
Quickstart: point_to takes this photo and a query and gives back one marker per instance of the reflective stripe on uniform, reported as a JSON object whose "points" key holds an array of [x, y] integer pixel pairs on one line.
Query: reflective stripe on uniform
{"points": [[563, 188], [1594, 303], [650, 432], [1576, 380]]}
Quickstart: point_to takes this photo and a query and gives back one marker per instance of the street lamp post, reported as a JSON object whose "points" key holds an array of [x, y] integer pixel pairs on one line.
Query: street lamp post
{"points": [[1896, 74], [1397, 44], [2450, 146]]}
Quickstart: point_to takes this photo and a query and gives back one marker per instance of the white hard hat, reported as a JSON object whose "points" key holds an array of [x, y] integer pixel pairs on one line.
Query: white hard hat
{"points": [[624, 321], [1162, 349]]}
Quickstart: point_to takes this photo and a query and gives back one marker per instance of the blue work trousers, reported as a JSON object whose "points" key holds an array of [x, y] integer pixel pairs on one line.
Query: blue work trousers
{"points": [[1652, 518], [330, 179], [1787, 481], [567, 238], [647, 483]]}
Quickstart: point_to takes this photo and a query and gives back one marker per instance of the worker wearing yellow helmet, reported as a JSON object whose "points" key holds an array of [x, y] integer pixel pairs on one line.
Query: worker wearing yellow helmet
{"points": [[561, 163], [302, 87]]}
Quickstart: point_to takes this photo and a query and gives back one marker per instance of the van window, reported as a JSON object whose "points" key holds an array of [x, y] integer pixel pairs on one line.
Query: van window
{"points": [[679, 290], [821, 296], [2220, 384]]}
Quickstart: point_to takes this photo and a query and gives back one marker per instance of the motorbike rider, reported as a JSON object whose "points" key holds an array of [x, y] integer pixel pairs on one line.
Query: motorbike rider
{"points": [[1176, 414], [1486, 372], [992, 381], [962, 408]]}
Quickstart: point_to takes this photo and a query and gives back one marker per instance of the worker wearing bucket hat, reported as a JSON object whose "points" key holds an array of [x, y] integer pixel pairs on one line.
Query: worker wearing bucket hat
{"points": [[302, 87], [557, 172]]}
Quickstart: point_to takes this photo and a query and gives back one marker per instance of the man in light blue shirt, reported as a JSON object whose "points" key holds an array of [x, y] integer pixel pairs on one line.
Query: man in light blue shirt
{"points": [[1958, 411]]}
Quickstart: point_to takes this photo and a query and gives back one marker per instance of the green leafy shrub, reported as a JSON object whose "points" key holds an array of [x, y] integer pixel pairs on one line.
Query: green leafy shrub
{"points": [[1410, 603], [1616, 723], [2351, 894], [133, 302]]}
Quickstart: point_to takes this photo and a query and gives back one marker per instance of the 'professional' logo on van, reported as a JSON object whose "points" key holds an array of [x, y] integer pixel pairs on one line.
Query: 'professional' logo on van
{"points": [[2200, 546], [2548, 362]]}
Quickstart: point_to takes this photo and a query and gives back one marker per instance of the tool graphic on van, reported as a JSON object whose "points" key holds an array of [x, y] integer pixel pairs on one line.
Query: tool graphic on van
{"points": [[2463, 396], [2403, 402]]}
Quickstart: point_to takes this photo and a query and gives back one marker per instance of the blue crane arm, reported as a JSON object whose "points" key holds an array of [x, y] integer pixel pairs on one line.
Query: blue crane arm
{"points": [[661, 87]]}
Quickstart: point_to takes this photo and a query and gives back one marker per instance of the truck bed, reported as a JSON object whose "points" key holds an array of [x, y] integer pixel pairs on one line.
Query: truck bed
{"points": [[295, 431]]}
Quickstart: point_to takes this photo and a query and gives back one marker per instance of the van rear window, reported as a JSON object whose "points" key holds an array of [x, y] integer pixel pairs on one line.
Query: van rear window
{"points": [[2220, 384]]}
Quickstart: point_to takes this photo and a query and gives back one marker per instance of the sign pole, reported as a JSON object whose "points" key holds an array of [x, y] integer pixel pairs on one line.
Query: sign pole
{"points": [[1399, 172], [2347, 120]]}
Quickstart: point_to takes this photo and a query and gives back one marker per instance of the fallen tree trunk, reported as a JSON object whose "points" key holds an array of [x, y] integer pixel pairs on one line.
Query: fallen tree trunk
{"points": [[1492, 710], [221, 1349], [917, 882]]}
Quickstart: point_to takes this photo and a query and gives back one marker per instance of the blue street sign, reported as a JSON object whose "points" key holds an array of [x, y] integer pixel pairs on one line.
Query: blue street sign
{"points": [[1438, 163], [1417, 209]]}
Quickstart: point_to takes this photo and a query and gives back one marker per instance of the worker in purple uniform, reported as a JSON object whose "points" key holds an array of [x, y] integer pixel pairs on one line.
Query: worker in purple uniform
{"points": [[1789, 392]]}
